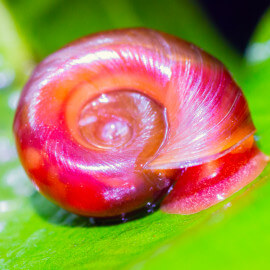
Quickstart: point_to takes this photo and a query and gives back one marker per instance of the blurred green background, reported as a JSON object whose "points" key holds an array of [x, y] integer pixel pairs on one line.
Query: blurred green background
{"points": [[35, 234]]}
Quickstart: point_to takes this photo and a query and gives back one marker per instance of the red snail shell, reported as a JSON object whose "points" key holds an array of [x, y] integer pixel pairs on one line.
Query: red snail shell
{"points": [[118, 119]]}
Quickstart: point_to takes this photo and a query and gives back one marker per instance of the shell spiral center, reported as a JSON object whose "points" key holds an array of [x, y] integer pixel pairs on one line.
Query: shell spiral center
{"points": [[116, 119]]}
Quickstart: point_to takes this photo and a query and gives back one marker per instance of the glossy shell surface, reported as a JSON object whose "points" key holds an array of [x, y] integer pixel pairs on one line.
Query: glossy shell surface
{"points": [[114, 120]]}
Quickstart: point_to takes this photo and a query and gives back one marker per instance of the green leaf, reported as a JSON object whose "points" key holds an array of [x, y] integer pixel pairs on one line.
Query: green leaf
{"points": [[256, 79], [35, 234], [14, 52]]}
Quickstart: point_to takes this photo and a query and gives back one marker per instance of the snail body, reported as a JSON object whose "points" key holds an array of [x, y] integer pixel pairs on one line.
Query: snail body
{"points": [[120, 119]]}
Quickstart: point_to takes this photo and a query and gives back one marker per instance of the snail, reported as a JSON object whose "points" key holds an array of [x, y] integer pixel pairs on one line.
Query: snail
{"points": [[125, 118]]}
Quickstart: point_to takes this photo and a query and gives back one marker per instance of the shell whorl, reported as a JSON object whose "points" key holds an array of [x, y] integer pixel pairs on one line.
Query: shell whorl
{"points": [[103, 123]]}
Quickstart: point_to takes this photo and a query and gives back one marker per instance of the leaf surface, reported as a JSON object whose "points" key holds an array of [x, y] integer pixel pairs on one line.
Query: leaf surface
{"points": [[35, 234]]}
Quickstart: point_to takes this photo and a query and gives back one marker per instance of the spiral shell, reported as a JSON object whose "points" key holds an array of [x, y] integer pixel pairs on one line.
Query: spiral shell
{"points": [[114, 120]]}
